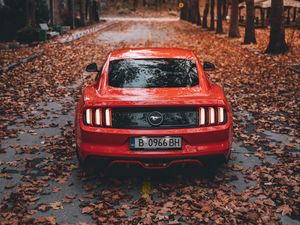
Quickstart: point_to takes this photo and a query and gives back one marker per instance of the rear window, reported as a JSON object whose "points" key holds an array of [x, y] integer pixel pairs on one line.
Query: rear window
{"points": [[152, 73]]}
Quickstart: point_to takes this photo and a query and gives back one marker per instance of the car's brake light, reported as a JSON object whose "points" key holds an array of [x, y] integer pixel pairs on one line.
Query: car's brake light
{"points": [[220, 115], [95, 117], [202, 116], [98, 117], [209, 116], [108, 119], [88, 116]]}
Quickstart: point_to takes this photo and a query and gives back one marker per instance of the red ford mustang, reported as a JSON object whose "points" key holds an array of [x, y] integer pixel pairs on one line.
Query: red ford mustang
{"points": [[153, 107]]}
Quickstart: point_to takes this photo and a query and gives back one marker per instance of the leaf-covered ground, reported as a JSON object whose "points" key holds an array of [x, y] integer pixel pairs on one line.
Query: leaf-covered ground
{"points": [[40, 182]]}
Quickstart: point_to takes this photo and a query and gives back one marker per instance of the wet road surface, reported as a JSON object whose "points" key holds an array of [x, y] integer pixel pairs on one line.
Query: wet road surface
{"points": [[26, 155]]}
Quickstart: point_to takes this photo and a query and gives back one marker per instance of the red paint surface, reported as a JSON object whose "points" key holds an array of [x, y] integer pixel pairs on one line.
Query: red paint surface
{"points": [[111, 142]]}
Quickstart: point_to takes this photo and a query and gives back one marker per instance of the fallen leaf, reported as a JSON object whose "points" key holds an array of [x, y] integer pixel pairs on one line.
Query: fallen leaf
{"points": [[284, 210], [56, 205], [87, 210]]}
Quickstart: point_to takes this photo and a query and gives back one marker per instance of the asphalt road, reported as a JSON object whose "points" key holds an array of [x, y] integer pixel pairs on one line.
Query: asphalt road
{"points": [[31, 155]]}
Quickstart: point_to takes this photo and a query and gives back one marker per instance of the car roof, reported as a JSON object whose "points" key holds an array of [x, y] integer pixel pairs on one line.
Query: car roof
{"points": [[142, 53]]}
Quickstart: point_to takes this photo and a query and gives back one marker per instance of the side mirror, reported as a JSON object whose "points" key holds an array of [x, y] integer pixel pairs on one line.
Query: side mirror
{"points": [[92, 68], [207, 66], [99, 74]]}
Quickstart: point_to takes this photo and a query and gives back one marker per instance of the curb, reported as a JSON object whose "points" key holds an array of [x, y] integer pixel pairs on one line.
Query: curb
{"points": [[20, 62], [77, 35]]}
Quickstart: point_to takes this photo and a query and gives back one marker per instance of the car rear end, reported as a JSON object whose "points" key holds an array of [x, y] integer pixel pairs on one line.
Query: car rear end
{"points": [[154, 127], [190, 134]]}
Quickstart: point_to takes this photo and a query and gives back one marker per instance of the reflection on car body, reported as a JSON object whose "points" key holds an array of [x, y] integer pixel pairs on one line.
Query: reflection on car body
{"points": [[153, 103]]}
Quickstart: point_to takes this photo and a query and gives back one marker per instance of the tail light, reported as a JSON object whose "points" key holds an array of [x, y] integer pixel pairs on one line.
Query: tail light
{"points": [[209, 116], [202, 118], [97, 117], [108, 119], [221, 117], [102, 117], [89, 116]]}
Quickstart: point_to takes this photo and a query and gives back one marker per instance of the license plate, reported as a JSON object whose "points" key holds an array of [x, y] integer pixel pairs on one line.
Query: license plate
{"points": [[155, 143]]}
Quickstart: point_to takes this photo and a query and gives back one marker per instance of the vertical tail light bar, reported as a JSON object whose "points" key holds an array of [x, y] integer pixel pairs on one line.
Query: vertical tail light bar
{"points": [[221, 116], [202, 116], [98, 117], [108, 117], [89, 116], [211, 115]]}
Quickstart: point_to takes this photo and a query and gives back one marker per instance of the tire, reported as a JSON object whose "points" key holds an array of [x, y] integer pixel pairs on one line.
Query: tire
{"points": [[227, 158], [82, 163]]}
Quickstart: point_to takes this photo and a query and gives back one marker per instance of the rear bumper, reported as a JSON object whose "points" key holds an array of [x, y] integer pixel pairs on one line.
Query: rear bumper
{"points": [[161, 163], [114, 144]]}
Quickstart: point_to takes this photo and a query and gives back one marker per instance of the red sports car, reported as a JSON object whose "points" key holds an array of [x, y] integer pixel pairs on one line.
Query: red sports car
{"points": [[153, 107]]}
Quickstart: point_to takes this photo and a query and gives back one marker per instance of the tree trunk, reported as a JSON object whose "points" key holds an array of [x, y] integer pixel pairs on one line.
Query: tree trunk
{"points": [[225, 9], [187, 10], [184, 11], [205, 14], [51, 4], [81, 12], [250, 29], [212, 15], [262, 17], [87, 10], [219, 17], [294, 15], [70, 12], [31, 13], [95, 11], [192, 12], [91, 15], [135, 4], [268, 14], [158, 4], [277, 42], [289, 14], [198, 16], [234, 17]]}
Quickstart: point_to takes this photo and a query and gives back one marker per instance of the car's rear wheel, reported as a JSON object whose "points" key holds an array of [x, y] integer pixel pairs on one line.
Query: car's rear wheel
{"points": [[227, 158], [82, 163]]}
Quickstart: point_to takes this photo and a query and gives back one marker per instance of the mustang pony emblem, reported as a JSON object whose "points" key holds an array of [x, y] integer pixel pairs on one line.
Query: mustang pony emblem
{"points": [[155, 118]]}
